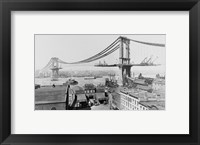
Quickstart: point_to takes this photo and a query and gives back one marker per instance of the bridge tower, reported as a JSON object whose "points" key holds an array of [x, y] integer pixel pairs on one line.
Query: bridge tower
{"points": [[124, 60], [55, 69]]}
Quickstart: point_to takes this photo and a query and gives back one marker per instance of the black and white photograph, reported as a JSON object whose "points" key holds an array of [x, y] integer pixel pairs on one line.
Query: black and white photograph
{"points": [[100, 72]]}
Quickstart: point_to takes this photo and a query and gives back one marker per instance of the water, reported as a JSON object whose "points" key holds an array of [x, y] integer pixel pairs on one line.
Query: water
{"points": [[147, 71], [81, 81]]}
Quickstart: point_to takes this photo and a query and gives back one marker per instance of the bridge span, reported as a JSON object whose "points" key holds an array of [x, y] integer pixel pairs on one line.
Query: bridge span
{"points": [[124, 65]]}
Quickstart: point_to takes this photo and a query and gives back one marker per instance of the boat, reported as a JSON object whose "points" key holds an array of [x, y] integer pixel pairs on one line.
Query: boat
{"points": [[89, 78], [71, 82]]}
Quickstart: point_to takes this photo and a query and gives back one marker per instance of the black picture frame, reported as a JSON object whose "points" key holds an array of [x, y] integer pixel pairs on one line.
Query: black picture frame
{"points": [[6, 6]]}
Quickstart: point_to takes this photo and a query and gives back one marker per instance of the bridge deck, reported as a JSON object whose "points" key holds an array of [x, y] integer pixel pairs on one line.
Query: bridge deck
{"points": [[117, 65]]}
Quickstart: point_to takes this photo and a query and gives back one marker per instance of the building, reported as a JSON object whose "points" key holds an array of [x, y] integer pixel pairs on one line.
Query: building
{"points": [[97, 93], [158, 84], [115, 101], [160, 95], [154, 105], [101, 95], [144, 84], [136, 99], [131, 102], [54, 98], [90, 90], [49, 98], [78, 100]]}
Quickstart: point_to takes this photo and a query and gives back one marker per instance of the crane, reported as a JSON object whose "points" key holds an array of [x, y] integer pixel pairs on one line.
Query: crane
{"points": [[153, 60], [143, 60], [149, 59]]}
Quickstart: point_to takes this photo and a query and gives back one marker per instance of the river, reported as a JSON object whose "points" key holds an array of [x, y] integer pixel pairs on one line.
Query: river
{"points": [[147, 71]]}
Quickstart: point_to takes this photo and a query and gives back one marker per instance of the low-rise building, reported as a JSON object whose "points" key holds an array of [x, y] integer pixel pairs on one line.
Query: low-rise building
{"points": [[115, 101], [54, 98], [144, 84], [78, 99], [136, 99], [90, 90], [154, 105], [131, 102], [160, 95], [49, 98], [158, 84]]}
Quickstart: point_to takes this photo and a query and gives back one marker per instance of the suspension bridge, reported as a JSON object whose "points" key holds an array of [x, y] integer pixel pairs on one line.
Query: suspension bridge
{"points": [[121, 43]]}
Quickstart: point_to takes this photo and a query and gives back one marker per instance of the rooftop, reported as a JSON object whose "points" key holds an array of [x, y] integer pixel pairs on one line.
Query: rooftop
{"points": [[76, 89], [57, 94], [159, 105], [146, 88], [144, 81], [159, 81], [140, 81], [50, 94], [89, 86]]}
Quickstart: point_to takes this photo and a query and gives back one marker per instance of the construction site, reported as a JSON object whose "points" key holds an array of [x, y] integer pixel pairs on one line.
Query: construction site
{"points": [[121, 91]]}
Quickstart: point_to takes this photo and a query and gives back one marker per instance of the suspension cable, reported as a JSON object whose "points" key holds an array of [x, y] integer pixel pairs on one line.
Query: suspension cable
{"points": [[47, 66], [90, 60], [105, 51], [108, 53], [147, 43]]}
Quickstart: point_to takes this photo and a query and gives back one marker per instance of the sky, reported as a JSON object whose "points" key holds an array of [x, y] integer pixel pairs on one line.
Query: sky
{"points": [[72, 48]]}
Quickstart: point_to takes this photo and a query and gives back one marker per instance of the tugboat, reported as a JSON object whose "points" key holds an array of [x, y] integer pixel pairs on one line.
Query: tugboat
{"points": [[71, 82]]}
